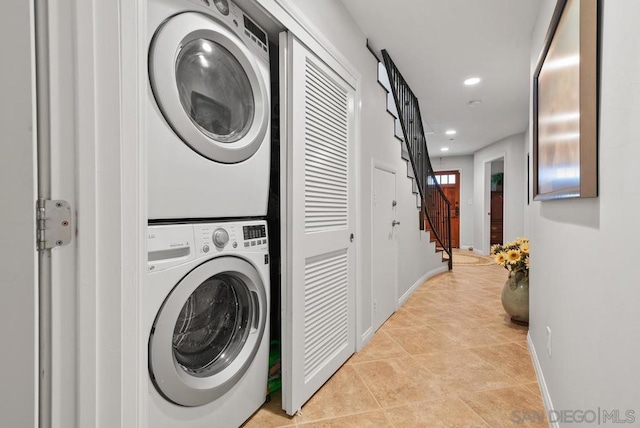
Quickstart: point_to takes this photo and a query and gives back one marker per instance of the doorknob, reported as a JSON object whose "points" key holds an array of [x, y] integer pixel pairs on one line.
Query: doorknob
{"points": [[395, 223]]}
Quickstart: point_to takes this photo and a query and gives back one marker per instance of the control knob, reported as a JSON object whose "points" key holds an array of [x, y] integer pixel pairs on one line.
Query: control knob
{"points": [[220, 238]]}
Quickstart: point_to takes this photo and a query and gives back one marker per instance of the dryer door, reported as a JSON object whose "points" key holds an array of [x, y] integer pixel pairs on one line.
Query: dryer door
{"points": [[209, 87], [208, 331]]}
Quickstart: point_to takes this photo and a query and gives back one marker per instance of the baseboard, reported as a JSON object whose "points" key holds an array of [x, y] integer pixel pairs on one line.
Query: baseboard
{"points": [[466, 247], [419, 282], [546, 398], [364, 339], [482, 253]]}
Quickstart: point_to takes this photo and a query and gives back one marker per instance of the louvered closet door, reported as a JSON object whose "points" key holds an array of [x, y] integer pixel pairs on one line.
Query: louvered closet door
{"points": [[318, 285]]}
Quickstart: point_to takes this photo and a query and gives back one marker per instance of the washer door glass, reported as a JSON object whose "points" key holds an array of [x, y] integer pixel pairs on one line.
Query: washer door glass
{"points": [[208, 331], [213, 325], [214, 90]]}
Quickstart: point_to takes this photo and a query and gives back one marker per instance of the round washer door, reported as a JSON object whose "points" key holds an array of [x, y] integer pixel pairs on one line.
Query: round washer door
{"points": [[209, 88], [208, 331]]}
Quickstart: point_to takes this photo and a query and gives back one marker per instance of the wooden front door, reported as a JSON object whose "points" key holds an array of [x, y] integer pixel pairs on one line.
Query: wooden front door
{"points": [[450, 183]]}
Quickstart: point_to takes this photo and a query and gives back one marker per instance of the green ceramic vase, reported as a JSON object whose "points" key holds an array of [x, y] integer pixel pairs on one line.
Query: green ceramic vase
{"points": [[515, 297]]}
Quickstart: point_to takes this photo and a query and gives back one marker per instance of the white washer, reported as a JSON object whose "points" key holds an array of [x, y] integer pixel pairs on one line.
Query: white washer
{"points": [[208, 323], [209, 111]]}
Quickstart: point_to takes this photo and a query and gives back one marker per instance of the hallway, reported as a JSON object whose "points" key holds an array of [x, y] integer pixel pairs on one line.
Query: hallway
{"points": [[449, 357]]}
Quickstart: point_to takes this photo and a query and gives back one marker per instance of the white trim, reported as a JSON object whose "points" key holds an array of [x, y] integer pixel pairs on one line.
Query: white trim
{"points": [[544, 390], [133, 49], [357, 99], [111, 148], [486, 201], [365, 338], [289, 16], [419, 282], [87, 390], [306, 31]]}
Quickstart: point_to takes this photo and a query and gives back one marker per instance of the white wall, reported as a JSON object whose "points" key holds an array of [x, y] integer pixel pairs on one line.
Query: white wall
{"points": [[512, 149], [464, 164], [584, 282], [417, 255], [497, 167]]}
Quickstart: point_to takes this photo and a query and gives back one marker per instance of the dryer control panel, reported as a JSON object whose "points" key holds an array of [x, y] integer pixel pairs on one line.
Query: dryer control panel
{"points": [[243, 25]]}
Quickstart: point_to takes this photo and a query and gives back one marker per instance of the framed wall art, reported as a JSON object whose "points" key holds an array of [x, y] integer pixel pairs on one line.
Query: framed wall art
{"points": [[565, 105]]}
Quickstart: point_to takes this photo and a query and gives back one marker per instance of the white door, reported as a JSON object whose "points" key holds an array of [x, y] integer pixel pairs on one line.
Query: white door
{"points": [[318, 272], [384, 251], [18, 309]]}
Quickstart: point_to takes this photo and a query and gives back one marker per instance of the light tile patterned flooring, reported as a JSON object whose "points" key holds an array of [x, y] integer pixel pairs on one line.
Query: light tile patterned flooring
{"points": [[449, 357]]}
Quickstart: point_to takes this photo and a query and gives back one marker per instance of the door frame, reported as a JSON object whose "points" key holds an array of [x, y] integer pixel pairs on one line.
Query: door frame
{"points": [[460, 199], [486, 200], [388, 167], [105, 170], [289, 16], [112, 205]]}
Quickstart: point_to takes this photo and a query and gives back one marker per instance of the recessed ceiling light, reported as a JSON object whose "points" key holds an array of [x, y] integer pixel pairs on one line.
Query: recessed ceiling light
{"points": [[444, 149], [474, 103], [451, 132], [472, 81]]}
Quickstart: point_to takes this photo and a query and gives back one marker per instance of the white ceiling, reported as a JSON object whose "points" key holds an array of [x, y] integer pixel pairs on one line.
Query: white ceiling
{"points": [[437, 44]]}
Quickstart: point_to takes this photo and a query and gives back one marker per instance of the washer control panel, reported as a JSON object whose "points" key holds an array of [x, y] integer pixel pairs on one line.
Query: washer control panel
{"points": [[173, 245], [220, 237], [229, 237], [169, 246], [254, 235]]}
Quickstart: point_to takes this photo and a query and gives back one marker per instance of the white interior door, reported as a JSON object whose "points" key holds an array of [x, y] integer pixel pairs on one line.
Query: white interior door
{"points": [[384, 251], [18, 308], [318, 272]]}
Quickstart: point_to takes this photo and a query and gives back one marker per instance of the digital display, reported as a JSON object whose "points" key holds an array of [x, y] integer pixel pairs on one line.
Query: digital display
{"points": [[255, 30], [254, 232]]}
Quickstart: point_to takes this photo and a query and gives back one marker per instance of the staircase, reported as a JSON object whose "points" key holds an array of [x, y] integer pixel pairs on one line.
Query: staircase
{"points": [[402, 104]]}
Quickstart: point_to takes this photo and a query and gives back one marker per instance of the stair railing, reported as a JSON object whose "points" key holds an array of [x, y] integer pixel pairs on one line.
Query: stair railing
{"points": [[435, 205]]}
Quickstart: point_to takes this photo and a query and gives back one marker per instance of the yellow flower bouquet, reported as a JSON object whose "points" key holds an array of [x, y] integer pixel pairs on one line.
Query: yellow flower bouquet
{"points": [[514, 256]]}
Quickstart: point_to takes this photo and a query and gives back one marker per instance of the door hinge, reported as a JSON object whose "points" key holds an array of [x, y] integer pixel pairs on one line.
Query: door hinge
{"points": [[53, 224]]}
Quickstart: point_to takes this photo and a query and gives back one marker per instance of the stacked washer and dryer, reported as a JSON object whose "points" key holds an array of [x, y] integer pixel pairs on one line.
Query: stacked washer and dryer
{"points": [[208, 259]]}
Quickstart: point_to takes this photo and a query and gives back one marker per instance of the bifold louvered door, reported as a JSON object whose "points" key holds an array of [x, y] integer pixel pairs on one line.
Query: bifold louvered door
{"points": [[318, 283]]}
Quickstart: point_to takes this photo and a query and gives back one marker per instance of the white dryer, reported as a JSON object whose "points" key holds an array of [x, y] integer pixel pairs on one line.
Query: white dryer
{"points": [[208, 111], [208, 323]]}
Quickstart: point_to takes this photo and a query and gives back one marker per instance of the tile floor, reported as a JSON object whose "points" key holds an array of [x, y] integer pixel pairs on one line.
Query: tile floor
{"points": [[449, 357]]}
